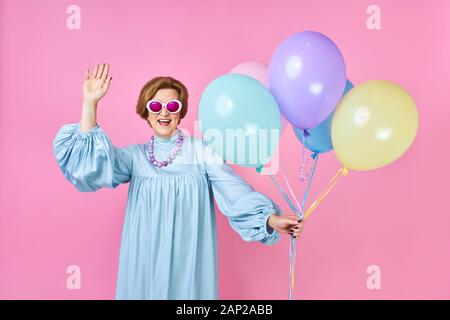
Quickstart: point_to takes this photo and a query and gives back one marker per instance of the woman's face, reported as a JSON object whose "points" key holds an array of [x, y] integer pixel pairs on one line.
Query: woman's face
{"points": [[165, 123]]}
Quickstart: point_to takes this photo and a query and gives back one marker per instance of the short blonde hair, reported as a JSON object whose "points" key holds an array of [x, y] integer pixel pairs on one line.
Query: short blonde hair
{"points": [[149, 90]]}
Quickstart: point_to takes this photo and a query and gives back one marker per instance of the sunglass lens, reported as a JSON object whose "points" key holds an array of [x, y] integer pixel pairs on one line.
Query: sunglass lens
{"points": [[173, 106], [155, 106]]}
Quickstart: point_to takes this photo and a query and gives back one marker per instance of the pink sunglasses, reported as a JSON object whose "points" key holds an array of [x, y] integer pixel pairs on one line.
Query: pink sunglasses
{"points": [[172, 106]]}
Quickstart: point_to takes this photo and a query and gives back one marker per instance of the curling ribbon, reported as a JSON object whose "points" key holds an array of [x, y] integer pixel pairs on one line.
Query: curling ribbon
{"points": [[341, 172], [293, 247], [299, 214]]}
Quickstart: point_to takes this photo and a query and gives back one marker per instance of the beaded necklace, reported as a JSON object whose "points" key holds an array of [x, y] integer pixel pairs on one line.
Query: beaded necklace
{"points": [[171, 158]]}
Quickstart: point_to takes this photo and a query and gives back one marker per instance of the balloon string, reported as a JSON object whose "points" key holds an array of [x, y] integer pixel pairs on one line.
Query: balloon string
{"points": [[292, 243], [305, 195], [291, 270], [290, 189], [293, 247], [300, 212], [292, 267], [292, 252], [303, 175], [341, 172], [285, 196]]}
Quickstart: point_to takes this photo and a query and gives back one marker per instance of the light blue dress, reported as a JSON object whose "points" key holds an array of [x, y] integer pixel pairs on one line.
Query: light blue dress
{"points": [[169, 239]]}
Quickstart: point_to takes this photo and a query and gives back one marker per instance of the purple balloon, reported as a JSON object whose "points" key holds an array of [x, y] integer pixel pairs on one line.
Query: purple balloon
{"points": [[307, 77]]}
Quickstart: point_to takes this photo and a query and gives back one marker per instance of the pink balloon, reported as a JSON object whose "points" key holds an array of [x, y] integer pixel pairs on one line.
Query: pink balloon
{"points": [[260, 72], [256, 70], [284, 123]]}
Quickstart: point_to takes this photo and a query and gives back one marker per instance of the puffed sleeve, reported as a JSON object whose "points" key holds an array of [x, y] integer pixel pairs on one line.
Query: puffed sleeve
{"points": [[247, 210], [89, 160]]}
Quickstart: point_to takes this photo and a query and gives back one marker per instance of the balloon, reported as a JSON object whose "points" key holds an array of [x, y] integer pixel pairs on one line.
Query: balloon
{"points": [[284, 122], [258, 71], [373, 125], [318, 139], [348, 87], [238, 107], [307, 77]]}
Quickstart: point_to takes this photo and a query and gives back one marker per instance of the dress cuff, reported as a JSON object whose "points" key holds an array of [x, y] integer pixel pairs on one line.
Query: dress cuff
{"points": [[269, 229], [91, 131], [270, 235]]}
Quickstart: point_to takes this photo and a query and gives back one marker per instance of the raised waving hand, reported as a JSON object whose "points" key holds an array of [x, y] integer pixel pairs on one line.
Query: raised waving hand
{"points": [[96, 83]]}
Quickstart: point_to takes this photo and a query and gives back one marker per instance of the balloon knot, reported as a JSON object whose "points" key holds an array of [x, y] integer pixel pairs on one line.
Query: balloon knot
{"points": [[306, 133], [314, 155], [344, 171]]}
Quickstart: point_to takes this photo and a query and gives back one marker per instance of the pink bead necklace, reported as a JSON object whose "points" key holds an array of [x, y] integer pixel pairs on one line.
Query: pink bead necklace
{"points": [[173, 154]]}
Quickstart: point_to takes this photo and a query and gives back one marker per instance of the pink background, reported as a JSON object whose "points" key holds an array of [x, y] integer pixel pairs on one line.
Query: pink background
{"points": [[396, 217]]}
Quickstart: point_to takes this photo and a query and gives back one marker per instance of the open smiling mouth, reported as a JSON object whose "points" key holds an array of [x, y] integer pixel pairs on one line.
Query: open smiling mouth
{"points": [[164, 122]]}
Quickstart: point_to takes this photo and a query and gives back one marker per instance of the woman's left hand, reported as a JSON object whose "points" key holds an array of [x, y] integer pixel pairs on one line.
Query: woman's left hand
{"points": [[290, 224]]}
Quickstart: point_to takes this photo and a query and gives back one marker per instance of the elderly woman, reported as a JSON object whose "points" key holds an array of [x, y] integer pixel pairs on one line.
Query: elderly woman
{"points": [[169, 241]]}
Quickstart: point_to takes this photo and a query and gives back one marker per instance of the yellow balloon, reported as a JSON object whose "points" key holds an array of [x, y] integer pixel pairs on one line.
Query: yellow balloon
{"points": [[373, 125]]}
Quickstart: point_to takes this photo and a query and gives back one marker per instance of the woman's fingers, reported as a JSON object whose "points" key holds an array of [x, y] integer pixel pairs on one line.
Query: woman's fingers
{"points": [[295, 233], [293, 219], [106, 85], [105, 71], [289, 222], [298, 226], [94, 74], [100, 70], [296, 230]]}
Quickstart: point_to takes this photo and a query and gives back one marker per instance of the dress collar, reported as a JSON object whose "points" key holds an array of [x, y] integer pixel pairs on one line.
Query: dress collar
{"points": [[160, 141]]}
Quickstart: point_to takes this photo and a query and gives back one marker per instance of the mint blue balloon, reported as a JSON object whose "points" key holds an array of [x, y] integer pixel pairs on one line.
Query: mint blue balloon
{"points": [[318, 139], [240, 117]]}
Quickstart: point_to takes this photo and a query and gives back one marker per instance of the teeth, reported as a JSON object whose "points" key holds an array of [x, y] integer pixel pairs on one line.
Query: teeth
{"points": [[164, 120]]}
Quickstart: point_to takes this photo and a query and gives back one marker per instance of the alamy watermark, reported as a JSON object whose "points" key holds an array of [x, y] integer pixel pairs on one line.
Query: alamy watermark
{"points": [[249, 147], [373, 281]]}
